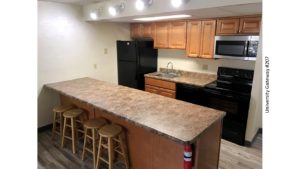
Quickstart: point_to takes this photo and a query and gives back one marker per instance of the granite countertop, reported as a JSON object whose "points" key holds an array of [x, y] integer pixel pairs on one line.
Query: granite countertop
{"points": [[177, 120], [192, 78]]}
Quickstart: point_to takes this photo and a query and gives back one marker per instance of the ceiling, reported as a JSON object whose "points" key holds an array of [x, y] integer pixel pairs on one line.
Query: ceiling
{"points": [[234, 10], [76, 2], [195, 8]]}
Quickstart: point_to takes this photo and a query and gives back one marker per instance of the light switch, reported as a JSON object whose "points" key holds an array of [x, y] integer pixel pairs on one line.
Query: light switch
{"points": [[204, 67], [95, 66], [105, 51]]}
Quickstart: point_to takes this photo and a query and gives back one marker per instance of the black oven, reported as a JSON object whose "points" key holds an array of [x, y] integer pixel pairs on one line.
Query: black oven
{"points": [[236, 108], [236, 47], [231, 92]]}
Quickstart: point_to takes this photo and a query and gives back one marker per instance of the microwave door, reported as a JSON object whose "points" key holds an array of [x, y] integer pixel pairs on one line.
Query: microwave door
{"points": [[231, 48]]}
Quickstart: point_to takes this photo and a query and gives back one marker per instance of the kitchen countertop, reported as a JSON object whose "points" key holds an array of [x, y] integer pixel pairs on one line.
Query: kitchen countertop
{"points": [[177, 120], [192, 78]]}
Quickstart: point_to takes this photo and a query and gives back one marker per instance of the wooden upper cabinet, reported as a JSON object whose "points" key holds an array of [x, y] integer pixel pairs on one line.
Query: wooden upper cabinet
{"points": [[193, 38], [147, 31], [161, 35], [228, 26], [250, 25], [207, 38], [153, 30], [177, 35], [242, 25], [135, 30]]}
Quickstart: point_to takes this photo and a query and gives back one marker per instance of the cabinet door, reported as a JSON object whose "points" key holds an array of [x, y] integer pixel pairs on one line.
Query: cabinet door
{"points": [[161, 39], [193, 38], [147, 32], [153, 31], [227, 26], [135, 30], [207, 39], [177, 35], [250, 25]]}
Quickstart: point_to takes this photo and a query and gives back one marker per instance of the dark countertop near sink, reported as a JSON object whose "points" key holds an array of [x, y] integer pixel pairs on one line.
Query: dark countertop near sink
{"points": [[192, 78], [174, 119]]}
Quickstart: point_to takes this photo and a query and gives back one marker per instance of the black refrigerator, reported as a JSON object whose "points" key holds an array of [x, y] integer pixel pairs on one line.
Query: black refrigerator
{"points": [[135, 58]]}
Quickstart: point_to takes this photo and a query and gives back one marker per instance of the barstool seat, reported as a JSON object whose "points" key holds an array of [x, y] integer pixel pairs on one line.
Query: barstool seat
{"points": [[73, 113], [110, 130], [94, 123], [62, 108]]}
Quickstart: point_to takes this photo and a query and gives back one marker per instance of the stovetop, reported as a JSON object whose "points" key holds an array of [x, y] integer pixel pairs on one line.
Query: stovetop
{"points": [[228, 90], [232, 81]]}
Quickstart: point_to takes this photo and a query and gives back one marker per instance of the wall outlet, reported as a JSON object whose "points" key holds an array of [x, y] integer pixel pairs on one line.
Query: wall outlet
{"points": [[204, 67], [95, 66], [105, 50]]}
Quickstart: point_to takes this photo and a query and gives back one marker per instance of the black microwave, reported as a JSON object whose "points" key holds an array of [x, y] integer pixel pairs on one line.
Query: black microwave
{"points": [[236, 47]]}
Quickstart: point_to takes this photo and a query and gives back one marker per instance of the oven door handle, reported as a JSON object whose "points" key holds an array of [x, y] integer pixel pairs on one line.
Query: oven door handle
{"points": [[218, 93]]}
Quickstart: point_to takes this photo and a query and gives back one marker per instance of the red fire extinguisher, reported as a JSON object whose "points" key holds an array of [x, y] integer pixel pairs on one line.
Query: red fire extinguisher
{"points": [[187, 157]]}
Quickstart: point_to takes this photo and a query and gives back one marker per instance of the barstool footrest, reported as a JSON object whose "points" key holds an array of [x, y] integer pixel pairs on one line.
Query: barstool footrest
{"points": [[105, 146], [89, 150], [102, 159]]}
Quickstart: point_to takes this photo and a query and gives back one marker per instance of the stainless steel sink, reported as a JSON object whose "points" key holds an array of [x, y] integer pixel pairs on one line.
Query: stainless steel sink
{"points": [[167, 75]]}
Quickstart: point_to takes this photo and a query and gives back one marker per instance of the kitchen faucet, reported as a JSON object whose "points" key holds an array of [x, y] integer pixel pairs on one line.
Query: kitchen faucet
{"points": [[168, 66]]}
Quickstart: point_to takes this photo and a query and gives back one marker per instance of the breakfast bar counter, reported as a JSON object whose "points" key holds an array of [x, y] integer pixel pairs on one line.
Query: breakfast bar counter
{"points": [[157, 128]]}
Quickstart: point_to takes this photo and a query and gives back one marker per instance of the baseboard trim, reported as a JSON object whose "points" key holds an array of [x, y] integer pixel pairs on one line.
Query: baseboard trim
{"points": [[44, 128], [249, 143]]}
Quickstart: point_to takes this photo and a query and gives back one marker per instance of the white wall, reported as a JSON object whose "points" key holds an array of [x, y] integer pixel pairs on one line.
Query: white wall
{"points": [[180, 61], [69, 47], [255, 120]]}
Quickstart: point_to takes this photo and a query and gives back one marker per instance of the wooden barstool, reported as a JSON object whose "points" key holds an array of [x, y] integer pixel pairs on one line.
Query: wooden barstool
{"points": [[73, 115], [92, 126], [112, 132], [58, 119]]}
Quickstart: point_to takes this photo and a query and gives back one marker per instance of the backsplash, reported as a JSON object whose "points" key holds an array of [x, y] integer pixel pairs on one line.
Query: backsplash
{"points": [[182, 62]]}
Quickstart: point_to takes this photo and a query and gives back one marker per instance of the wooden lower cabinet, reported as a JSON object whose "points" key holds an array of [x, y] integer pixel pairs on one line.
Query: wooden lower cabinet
{"points": [[160, 87]]}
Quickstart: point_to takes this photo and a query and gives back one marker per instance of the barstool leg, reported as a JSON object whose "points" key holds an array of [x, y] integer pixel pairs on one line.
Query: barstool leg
{"points": [[61, 119], [99, 153], [84, 143], [124, 151], [110, 152], [64, 131], [73, 135], [94, 147], [54, 125]]}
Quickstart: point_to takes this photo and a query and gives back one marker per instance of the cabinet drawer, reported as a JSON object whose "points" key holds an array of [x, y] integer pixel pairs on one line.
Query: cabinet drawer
{"points": [[151, 89], [171, 94], [160, 91], [160, 83]]}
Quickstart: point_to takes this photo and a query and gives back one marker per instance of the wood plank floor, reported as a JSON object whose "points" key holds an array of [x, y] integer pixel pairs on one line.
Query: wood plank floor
{"points": [[232, 156]]}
